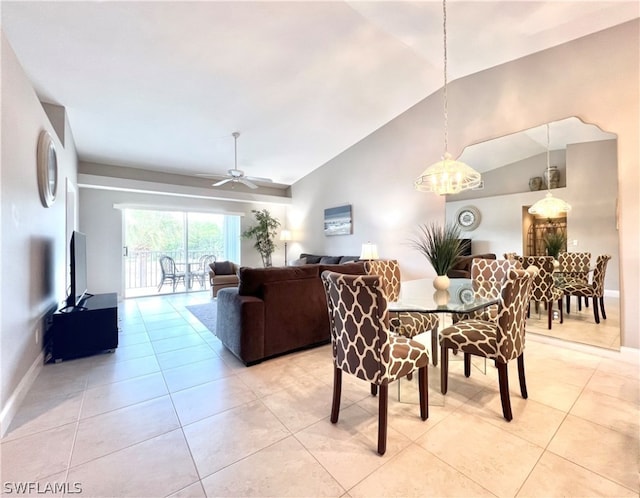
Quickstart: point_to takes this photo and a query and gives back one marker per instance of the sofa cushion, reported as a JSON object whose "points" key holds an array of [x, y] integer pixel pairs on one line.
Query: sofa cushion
{"points": [[298, 262], [353, 268], [329, 260], [222, 268], [252, 280], [312, 259], [347, 259]]}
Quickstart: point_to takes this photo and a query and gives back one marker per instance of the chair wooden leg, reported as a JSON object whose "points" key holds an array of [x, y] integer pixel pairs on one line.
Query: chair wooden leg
{"points": [[374, 389], [602, 312], [549, 315], [337, 390], [434, 346], [595, 308], [382, 418], [503, 380], [580, 303], [521, 377], [560, 309], [568, 300], [467, 364], [444, 369], [423, 385]]}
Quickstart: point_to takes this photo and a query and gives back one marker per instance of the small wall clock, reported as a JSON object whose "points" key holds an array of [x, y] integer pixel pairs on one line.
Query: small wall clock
{"points": [[47, 169], [468, 218]]}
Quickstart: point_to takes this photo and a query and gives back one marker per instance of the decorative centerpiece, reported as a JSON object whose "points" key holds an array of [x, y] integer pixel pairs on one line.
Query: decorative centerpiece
{"points": [[264, 233], [441, 245], [555, 242]]}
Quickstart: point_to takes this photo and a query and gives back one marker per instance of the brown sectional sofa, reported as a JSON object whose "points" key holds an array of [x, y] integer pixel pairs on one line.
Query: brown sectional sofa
{"points": [[276, 310]]}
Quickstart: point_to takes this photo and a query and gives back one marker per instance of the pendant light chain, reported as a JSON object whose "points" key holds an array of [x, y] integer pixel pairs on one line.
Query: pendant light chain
{"points": [[446, 113], [548, 162]]}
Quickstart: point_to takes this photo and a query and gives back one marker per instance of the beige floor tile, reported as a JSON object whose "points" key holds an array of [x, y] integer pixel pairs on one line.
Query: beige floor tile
{"points": [[271, 376], [482, 452], [195, 373], [617, 367], [133, 339], [194, 490], [618, 386], [169, 332], [348, 449], [302, 404], [115, 371], [533, 421], [141, 350], [34, 457], [609, 453], [416, 472], [613, 413], [225, 438], [283, 469], [103, 434], [180, 342], [156, 327], [552, 392], [156, 467], [202, 401], [38, 414], [59, 379], [109, 397], [554, 476], [179, 357]]}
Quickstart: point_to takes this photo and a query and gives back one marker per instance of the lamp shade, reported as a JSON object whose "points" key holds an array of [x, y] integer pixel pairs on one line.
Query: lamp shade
{"points": [[447, 176], [550, 207], [369, 251], [285, 235]]}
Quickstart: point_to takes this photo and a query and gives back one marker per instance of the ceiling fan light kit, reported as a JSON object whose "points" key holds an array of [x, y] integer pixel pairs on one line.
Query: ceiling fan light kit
{"points": [[236, 175]]}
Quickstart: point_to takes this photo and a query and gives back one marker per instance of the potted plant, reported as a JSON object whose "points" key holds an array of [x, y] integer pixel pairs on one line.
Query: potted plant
{"points": [[441, 245], [555, 242], [264, 233]]}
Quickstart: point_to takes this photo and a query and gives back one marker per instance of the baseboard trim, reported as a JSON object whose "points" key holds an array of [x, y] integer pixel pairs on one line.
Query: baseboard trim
{"points": [[18, 395], [626, 354]]}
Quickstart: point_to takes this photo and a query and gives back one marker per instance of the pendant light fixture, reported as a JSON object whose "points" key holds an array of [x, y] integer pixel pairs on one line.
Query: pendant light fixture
{"points": [[447, 176], [550, 206]]}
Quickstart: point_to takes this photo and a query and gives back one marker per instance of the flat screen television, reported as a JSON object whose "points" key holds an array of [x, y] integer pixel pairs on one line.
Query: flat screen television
{"points": [[78, 269]]}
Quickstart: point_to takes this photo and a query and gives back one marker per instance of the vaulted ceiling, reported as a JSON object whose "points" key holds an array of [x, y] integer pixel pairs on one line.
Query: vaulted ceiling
{"points": [[162, 85]]}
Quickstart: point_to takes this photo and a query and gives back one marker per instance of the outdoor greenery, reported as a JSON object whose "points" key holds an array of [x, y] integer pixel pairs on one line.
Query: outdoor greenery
{"points": [[264, 233], [163, 231], [440, 244], [555, 242]]}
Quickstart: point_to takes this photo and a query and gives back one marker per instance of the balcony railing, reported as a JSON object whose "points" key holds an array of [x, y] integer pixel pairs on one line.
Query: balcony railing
{"points": [[142, 268]]}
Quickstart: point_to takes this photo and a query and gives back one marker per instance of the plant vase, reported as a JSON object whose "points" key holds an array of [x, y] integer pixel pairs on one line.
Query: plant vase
{"points": [[441, 283]]}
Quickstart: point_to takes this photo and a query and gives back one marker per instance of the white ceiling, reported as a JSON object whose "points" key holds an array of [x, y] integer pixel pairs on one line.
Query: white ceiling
{"points": [[162, 85]]}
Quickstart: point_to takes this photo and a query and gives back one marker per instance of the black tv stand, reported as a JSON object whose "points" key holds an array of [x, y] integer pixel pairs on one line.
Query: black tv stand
{"points": [[90, 328]]}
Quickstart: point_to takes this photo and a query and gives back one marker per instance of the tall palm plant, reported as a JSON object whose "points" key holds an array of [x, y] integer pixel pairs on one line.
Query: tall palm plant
{"points": [[264, 233]]}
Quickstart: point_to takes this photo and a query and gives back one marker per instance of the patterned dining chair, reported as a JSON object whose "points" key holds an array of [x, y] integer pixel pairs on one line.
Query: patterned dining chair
{"points": [[593, 289], [544, 288], [575, 268], [363, 345], [487, 276], [406, 323], [501, 340]]}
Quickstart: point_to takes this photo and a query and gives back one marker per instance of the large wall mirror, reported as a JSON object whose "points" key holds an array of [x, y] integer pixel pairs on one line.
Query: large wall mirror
{"points": [[512, 169]]}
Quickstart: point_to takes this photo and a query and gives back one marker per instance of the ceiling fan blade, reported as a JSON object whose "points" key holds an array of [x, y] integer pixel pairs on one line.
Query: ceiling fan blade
{"points": [[247, 183], [259, 179], [207, 175], [222, 182]]}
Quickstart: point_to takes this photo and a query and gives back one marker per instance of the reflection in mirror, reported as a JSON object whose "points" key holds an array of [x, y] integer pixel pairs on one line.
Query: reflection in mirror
{"points": [[513, 173]]}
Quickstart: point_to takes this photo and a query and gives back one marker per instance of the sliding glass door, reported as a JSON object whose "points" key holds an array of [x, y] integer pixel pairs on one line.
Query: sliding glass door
{"points": [[169, 251]]}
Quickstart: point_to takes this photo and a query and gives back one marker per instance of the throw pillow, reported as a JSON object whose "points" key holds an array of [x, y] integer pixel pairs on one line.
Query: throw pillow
{"points": [[312, 259], [298, 262], [223, 268]]}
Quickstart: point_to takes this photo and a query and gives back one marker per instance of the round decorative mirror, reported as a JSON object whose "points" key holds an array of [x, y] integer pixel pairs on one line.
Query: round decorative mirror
{"points": [[47, 169]]}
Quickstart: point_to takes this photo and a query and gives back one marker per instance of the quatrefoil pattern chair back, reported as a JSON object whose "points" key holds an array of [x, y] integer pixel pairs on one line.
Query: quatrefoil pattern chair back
{"points": [[543, 287], [575, 265], [406, 323], [362, 343]]}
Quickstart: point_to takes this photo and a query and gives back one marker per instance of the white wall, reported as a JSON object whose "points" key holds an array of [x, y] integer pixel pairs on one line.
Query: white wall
{"points": [[599, 84], [33, 238]]}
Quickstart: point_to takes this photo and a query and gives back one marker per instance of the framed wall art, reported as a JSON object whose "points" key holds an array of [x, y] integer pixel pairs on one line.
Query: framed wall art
{"points": [[337, 220]]}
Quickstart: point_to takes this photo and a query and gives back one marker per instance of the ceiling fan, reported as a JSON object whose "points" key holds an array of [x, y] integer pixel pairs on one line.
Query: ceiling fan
{"points": [[236, 175]]}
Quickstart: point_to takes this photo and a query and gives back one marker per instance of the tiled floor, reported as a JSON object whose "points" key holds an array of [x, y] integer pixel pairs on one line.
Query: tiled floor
{"points": [[172, 413]]}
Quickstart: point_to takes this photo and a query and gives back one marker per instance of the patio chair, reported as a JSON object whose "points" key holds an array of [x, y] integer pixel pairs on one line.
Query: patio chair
{"points": [[201, 273], [170, 272]]}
